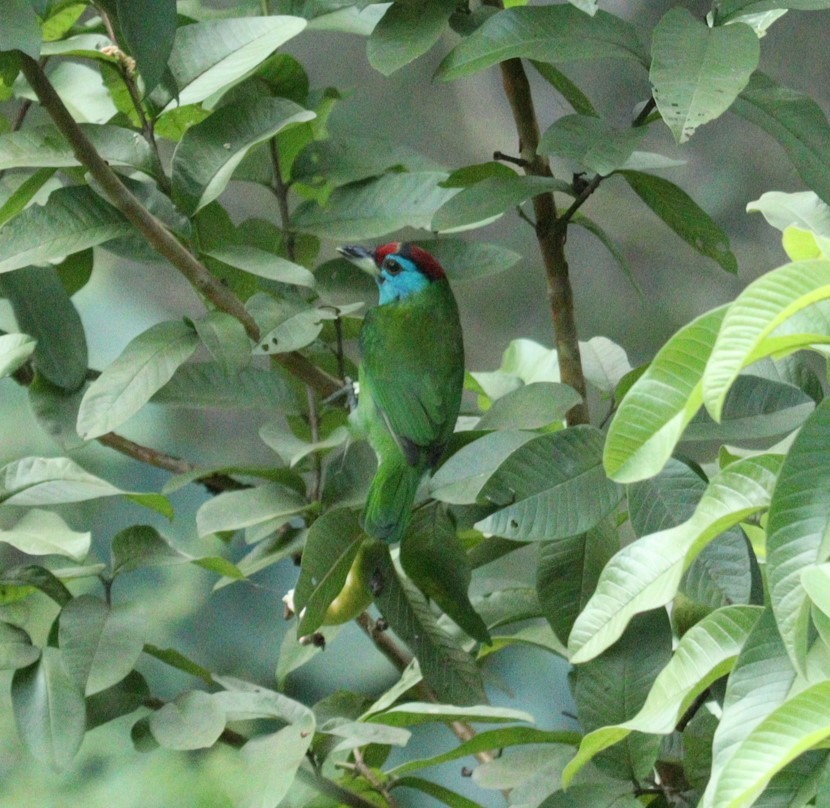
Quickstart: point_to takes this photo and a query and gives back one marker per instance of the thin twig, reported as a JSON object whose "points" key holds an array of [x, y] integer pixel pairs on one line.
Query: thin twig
{"points": [[314, 425], [280, 191], [377, 784]]}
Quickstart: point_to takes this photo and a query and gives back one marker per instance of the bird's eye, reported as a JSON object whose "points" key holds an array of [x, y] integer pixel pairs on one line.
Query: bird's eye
{"points": [[392, 266]]}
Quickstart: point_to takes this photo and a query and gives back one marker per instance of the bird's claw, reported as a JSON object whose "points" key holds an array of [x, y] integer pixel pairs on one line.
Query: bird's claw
{"points": [[350, 391]]}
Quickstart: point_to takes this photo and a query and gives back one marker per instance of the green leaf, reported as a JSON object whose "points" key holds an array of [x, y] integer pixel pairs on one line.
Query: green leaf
{"points": [[796, 121], [655, 411], [358, 733], [297, 325], [16, 649], [437, 791], [698, 71], [175, 659], [31, 575], [551, 487], [414, 713], [568, 571], [706, 652], [489, 199], [226, 341], [538, 636], [20, 30], [28, 190], [447, 668], [99, 644], [234, 510], [56, 412], [593, 795], [465, 260], [406, 31], [49, 710], [149, 29], [210, 57], [802, 209], [45, 146], [557, 34], [747, 333], [263, 264], [72, 219], [531, 406], [646, 574], [123, 698], [210, 151], [294, 653], [683, 215], [15, 349], [796, 531], [791, 729], [370, 209], [614, 687], [45, 533], [592, 142], [435, 561], [144, 366], [44, 310], [292, 449], [330, 549], [194, 720], [569, 91], [726, 10], [580, 220]]}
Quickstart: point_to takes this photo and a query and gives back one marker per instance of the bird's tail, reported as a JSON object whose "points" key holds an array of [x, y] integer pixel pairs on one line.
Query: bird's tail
{"points": [[389, 503]]}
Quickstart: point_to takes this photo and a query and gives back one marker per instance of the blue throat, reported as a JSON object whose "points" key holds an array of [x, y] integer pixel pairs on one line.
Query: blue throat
{"points": [[409, 281]]}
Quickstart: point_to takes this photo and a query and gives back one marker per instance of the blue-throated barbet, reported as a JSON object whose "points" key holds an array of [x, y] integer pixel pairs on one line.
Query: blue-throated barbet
{"points": [[411, 377]]}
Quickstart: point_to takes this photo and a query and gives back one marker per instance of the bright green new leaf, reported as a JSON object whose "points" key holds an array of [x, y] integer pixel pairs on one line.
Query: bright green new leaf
{"points": [[99, 644], [263, 264], [551, 487], [697, 71], [234, 510], [489, 199], [72, 219], [20, 29], [683, 215], [45, 533], [149, 29], [366, 210], [208, 58], [49, 710], [210, 151], [796, 121], [705, 653], [194, 720], [655, 411], [647, 573], [144, 366], [747, 333], [557, 33], [15, 349], [592, 142], [406, 31], [16, 649]]}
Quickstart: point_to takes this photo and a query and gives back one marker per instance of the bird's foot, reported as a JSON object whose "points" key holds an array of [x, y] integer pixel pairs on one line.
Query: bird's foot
{"points": [[350, 391]]}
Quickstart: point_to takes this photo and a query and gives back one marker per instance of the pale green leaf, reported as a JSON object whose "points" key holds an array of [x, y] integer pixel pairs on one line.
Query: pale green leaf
{"points": [[20, 30], [531, 406], [144, 366], [15, 349], [45, 533], [263, 264], [226, 341], [234, 510], [35, 187], [803, 209], [604, 363], [16, 649], [194, 720], [646, 573], [413, 713], [467, 260]]}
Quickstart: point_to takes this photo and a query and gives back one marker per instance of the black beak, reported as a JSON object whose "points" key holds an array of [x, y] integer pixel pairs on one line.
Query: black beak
{"points": [[361, 257]]}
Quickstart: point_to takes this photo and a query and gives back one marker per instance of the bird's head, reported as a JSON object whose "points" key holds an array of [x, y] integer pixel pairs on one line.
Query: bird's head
{"points": [[400, 269]]}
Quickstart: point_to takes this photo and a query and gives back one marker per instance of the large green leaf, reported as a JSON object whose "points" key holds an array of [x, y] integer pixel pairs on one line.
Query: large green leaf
{"points": [[330, 548], [144, 366], [488, 199], [208, 58], [466, 260], [747, 331], [376, 207], [803, 209], [435, 560], [209, 151], [655, 411], [647, 573], [683, 215], [531, 406], [40, 532], [193, 720], [263, 264], [706, 652], [99, 644], [49, 710], [759, 682], [727, 10], [551, 487], [406, 31], [149, 29], [15, 349], [796, 528], [613, 688], [447, 668], [44, 310], [558, 33], [592, 142], [225, 339], [796, 121], [16, 649], [44, 145], [20, 29], [698, 71], [234, 510], [72, 219]]}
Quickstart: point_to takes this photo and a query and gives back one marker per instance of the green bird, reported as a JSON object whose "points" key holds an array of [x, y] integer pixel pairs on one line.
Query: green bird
{"points": [[410, 379]]}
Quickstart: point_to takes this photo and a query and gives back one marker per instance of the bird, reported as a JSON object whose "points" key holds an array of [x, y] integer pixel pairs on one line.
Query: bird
{"points": [[410, 378]]}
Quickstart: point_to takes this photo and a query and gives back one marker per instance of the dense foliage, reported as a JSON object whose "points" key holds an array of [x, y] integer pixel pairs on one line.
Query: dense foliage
{"points": [[692, 598]]}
